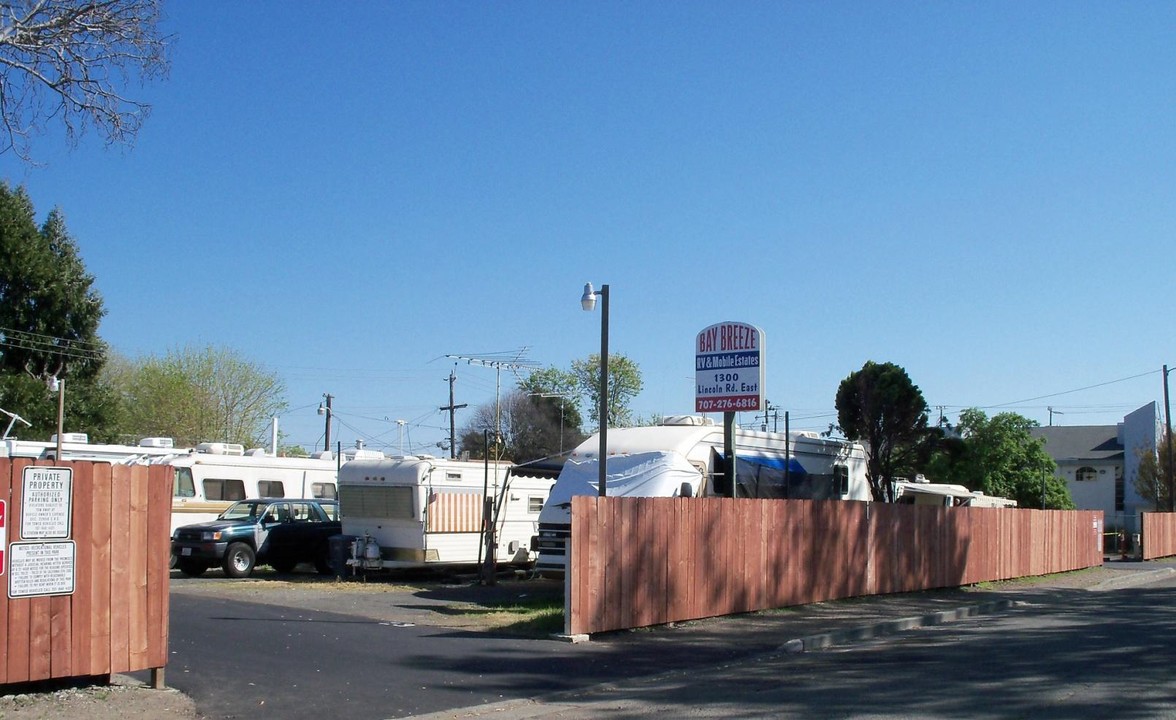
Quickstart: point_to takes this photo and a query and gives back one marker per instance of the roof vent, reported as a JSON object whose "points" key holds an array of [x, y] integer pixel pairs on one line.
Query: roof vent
{"points": [[71, 438], [217, 448], [697, 420], [157, 442]]}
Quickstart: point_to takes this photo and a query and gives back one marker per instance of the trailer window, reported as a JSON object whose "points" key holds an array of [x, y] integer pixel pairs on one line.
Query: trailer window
{"points": [[271, 488], [535, 503], [182, 485], [324, 491], [215, 489], [377, 502], [841, 479]]}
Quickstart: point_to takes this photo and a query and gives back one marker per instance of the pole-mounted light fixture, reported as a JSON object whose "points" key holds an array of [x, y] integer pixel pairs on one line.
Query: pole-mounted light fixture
{"points": [[588, 302], [325, 409]]}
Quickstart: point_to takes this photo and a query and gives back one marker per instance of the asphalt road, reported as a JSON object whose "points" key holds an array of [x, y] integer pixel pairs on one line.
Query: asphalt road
{"points": [[1060, 654]]}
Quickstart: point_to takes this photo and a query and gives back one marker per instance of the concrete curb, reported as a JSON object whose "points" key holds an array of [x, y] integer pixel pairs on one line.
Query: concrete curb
{"points": [[890, 627], [1132, 578]]}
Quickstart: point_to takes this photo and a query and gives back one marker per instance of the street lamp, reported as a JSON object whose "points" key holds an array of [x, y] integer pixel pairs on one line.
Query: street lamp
{"points": [[326, 410], [1171, 486], [588, 302]]}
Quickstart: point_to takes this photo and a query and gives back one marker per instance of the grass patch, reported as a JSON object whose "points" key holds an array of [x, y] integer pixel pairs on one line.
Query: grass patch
{"points": [[531, 618]]}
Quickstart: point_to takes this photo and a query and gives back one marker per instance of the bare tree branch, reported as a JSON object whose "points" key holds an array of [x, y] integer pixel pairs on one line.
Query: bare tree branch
{"points": [[69, 60]]}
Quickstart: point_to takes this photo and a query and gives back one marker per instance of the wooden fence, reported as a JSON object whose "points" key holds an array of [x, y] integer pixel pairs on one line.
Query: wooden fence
{"points": [[1159, 535], [635, 562], [115, 618]]}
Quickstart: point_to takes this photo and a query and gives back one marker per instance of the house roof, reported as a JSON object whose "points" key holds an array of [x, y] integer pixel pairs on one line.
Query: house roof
{"points": [[1081, 442]]}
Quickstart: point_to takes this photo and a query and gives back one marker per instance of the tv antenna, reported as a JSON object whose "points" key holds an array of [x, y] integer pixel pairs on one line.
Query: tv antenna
{"points": [[14, 418], [511, 360]]}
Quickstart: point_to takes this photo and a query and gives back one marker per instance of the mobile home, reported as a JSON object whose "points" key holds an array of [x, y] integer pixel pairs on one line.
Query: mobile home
{"points": [[422, 511], [684, 457]]}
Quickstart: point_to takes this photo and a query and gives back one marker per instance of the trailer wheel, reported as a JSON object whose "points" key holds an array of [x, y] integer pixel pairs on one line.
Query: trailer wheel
{"points": [[239, 560], [191, 568]]}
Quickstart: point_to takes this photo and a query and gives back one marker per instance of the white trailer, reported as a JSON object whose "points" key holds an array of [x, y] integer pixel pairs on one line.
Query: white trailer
{"points": [[213, 476], [922, 492], [422, 511], [684, 457], [77, 446]]}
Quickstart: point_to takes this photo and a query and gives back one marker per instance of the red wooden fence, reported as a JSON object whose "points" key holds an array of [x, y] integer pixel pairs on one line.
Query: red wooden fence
{"points": [[1159, 535], [116, 618], [647, 561]]}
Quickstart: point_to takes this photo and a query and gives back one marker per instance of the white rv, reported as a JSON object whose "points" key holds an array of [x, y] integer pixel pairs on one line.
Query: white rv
{"points": [[212, 477], [77, 446], [413, 512], [922, 492], [684, 457]]}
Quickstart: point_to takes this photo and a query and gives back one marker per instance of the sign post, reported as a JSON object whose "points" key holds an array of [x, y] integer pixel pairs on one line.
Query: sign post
{"points": [[729, 378]]}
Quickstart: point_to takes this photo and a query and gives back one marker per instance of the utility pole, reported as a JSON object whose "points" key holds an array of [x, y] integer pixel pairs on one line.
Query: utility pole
{"points": [[1168, 425], [767, 405], [452, 411], [326, 410]]}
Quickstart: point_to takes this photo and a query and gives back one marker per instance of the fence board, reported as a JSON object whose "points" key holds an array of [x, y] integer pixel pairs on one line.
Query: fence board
{"points": [[1158, 535], [115, 620], [642, 561]]}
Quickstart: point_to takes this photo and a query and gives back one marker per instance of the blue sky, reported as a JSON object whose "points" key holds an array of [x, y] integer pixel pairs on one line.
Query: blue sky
{"points": [[982, 193]]}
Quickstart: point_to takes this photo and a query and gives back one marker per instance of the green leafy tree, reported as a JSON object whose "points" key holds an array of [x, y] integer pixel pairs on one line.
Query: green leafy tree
{"points": [[200, 394], [624, 383], [70, 61], [999, 456], [880, 406], [1154, 480], [49, 317]]}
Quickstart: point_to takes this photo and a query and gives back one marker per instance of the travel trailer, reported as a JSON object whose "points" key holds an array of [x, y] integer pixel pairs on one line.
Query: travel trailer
{"points": [[684, 457], [922, 492], [422, 511]]}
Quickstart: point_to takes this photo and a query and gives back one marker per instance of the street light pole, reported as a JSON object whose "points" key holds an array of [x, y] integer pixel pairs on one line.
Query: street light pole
{"points": [[1168, 428], [58, 384], [326, 410], [588, 302]]}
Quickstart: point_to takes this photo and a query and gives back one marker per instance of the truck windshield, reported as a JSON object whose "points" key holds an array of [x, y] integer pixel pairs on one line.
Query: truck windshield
{"points": [[243, 510]]}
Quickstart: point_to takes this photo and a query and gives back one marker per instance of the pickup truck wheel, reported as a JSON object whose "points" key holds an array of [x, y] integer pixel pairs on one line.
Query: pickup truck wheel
{"points": [[283, 565], [191, 568], [239, 560]]}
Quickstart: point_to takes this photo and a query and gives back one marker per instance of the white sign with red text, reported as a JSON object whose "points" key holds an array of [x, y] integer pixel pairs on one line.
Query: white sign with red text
{"points": [[729, 368]]}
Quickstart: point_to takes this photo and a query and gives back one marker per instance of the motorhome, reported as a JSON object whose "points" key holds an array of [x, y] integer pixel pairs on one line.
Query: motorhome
{"points": [[422, 511], [213, 476], [77, 446], [922, 492], [684, 457]]}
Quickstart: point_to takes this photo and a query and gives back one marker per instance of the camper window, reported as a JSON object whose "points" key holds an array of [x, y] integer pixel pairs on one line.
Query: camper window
{"points": [[271, 488], [841, 479], [215, 489], [325, 491], [182, 485], [534, 503]]}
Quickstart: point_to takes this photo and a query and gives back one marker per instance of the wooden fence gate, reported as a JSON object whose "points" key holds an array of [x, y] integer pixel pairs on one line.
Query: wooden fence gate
{"points": [[84, 551]]}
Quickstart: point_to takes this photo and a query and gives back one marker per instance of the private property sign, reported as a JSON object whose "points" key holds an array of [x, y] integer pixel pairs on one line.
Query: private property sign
{"points": [[729, 368]]}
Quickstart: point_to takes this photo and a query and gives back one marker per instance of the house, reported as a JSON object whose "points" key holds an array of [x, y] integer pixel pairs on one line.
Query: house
{"points": [[1101, 462]]}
